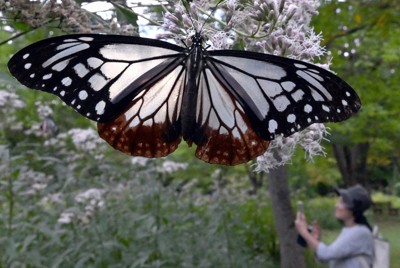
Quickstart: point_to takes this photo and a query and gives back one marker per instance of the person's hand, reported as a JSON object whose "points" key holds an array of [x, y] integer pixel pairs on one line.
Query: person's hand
{"points": [[316, 230], [301, 223]]}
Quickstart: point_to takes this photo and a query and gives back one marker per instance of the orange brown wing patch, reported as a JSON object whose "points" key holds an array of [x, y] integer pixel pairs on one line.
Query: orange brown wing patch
{"points": [[236, 146]]}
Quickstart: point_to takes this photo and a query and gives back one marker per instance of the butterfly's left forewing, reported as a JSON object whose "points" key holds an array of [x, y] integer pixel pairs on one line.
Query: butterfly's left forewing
{"points": [[98, 75]]}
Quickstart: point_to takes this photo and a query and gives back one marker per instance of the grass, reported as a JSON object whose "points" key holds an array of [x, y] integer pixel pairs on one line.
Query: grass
{"points": [[389, 228]]}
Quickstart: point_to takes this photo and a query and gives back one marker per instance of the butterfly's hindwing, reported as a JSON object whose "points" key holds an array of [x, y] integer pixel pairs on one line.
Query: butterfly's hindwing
{"points": [[286, 95], [223, 132], [95, 74], [150, 126]]}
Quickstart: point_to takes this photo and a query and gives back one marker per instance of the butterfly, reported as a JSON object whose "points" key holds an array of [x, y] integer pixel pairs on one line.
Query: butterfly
{"points": [[147, 95]]}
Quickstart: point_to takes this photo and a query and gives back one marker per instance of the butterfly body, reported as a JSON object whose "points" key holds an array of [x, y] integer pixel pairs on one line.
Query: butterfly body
{"points": [[146, 95], [194, 66]]}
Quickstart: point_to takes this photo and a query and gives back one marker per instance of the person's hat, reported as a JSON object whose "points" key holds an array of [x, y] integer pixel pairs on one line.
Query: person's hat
{"points": [[355, 198]]}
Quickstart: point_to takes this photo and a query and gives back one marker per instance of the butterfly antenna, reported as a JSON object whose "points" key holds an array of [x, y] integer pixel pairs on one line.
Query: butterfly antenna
{"points": [[186, 5], [211, 14]]}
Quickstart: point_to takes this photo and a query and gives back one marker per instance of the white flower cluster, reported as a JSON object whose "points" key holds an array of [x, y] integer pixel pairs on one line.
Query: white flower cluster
{"points": [[139, 161], [169, 167], [279, 27], [91, 200], [281, 149], [44, 110], [85, 139], [35, 181], [9, 102], [49, 200]]}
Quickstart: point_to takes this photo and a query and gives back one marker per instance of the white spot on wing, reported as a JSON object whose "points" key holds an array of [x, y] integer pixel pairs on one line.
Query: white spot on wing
{"points": [[83, 94], [112, 69], [288, 86], [223, 131], [281, 103], [347, 94], [27, 66], [97, 82], [326, 108], [236, 133], [255, 95], [316, 95], [307, 108], [221, 100], [255, 67], [132, 52], [270, 88], [240, 122], [272, 126], [213, 120], [135, 122], [94, 62], [344, 102], [86, 38], [161, 115], [81, 70], [301, 66], [66, 45], [65, 53], [298, 95], [32, 75], [100, 107], [315, 83], [131, 74], [133, 110], [66, 81], [47, 76], [157, 95], [60, 66], [316, 76], [25, 56], [291, 118]]}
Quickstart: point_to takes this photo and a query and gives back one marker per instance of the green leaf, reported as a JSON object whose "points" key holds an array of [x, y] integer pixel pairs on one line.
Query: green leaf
{"points": [[125, 14]]}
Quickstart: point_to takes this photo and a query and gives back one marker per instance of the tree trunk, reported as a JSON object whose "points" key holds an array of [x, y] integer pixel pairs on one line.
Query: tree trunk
{"points": [[291, 254], [352, 162]]}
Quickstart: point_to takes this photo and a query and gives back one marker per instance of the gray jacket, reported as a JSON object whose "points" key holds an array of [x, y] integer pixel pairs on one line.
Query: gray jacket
{"points": [[345, 251]]}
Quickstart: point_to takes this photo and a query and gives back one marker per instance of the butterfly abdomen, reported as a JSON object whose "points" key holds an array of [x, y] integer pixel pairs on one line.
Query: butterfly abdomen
{"points": [[189, 99]]}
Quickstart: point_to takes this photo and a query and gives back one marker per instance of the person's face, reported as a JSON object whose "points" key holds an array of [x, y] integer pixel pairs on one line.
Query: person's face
{"points": [[341, 211]]}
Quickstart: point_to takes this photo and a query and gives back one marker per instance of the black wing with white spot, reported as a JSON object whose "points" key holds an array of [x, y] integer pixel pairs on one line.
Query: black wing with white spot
{"points": [[98, 75], [281, 95]]}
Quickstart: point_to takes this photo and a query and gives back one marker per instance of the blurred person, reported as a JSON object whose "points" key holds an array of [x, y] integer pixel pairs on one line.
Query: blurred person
{"points": [[354, 247]]}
